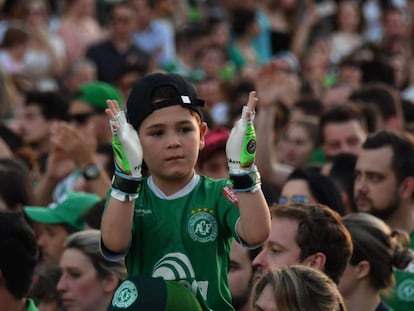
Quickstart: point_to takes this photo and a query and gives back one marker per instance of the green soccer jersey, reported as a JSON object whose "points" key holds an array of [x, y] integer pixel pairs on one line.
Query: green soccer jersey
{"points": [[401, 297], [186, 237]]}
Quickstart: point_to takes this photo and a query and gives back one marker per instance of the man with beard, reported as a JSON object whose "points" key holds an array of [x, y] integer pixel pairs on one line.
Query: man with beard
{"points": [[384, 187]]}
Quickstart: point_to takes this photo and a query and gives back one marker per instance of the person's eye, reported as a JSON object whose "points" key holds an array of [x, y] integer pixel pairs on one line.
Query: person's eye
{"points": [[275, 251], [156, 133], [74, 274], [374, 178], [186, 129]]}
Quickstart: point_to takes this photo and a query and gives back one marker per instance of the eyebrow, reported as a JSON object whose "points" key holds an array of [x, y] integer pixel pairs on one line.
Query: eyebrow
{"points": [[160, 125]]}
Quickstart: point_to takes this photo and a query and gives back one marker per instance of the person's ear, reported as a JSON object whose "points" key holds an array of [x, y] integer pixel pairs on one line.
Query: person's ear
{"points": [[316, 261], [203, 132], [362, 269], [110, 283], [407, 187]]}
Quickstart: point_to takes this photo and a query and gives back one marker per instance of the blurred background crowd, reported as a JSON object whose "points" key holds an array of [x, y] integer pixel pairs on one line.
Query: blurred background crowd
{"points": [[334, 121]]}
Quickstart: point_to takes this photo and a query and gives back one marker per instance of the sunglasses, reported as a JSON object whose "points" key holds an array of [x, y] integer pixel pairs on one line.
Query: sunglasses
{"points": [[294, 199], [81, 118]]}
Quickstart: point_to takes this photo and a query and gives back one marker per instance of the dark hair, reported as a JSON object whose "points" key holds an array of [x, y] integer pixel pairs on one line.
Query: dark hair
{"points": [[382, 96], [340, 114], [15, 34], [242, 19], [15, 184], [402, 145], [44, 288], [310, 105], [52, 104], [92, 217], [320, 229], [342, 173], [322, 187], [374, 242], [18, 254]]}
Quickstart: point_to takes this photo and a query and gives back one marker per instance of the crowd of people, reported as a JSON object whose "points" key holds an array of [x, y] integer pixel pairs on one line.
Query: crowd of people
{"points": [[207, 155]]}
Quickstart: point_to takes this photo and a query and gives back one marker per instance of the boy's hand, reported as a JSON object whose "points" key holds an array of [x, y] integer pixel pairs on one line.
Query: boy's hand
{"points": [[127, 147], [241, 145]]}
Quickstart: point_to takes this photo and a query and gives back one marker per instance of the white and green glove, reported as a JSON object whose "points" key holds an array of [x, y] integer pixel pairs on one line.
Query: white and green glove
{"points": [[128, 156], [241, 151]]}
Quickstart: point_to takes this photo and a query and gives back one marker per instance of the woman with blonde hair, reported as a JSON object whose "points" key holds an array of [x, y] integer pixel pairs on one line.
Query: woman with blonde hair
{"points": [[88, 280], [299, 288]]}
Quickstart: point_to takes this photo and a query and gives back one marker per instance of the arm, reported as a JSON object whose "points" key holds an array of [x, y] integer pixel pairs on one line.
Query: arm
{"points": [[271, 85], [254, 224], [116, 225]]}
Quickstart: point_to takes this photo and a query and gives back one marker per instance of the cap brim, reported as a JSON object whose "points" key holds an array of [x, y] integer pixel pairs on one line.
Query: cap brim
{"points": [[42, 214]]}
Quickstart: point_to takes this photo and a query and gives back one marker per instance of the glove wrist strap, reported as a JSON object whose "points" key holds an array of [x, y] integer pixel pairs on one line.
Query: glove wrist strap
{"points": [[128, 185], [246, 181]]}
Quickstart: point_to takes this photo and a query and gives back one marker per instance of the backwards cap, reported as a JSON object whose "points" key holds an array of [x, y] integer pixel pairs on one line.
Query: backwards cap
{"points": [[141, 103], [155, 294]]}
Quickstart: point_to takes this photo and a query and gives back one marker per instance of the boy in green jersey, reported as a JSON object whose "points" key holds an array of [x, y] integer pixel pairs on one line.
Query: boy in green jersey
{"points": [[176, 224]]}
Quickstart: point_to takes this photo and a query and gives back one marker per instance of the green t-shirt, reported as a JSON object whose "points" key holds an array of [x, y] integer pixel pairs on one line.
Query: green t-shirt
{"points": [[31, 305], [186, 238], [401, 297]]}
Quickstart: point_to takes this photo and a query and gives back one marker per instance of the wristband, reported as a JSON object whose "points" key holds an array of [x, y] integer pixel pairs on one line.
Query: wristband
{"points": [[126, 184], [123, 197], [248, 181]]}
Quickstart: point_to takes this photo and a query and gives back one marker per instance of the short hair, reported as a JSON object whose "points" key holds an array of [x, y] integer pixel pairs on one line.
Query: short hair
{"points": [[18, 255], [340, 114], [320, 229], [382, 96], [15, 184], [322, 188], [52, 104], [87, 242], [383, 248], [310, 105], [16, 34], [402, 145], [300, 288]]}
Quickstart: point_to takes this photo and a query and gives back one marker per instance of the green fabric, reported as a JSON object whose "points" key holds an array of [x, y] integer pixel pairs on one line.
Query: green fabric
{"points": [[317, 156], [97, 93], [187, 238], [401, 297], [180, 298], [154, 294], [31, 305], [69, 211]]}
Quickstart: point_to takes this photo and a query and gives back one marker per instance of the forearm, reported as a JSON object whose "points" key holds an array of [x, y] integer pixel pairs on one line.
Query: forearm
{"points": [[271, 171], [254, 225], [116, 225]]}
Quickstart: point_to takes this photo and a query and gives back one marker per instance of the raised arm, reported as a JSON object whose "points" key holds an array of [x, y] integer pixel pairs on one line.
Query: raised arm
{"points": [[271, 85], [116, 225], [254, 225]]}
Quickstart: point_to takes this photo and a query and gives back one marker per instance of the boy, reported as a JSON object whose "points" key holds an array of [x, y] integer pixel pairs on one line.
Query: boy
{"points": [[177, 224]]}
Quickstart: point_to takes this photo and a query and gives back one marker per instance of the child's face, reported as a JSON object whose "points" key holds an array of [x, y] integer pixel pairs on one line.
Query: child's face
{"points": [[171, 138]]}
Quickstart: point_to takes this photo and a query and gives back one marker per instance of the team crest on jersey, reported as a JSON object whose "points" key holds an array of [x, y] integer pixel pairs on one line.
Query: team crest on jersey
{"points": [[405, 290], [229, 193], [202, 226], [125, 295]]}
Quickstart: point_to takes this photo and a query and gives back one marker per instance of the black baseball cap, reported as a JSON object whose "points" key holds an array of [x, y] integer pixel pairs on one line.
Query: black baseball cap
{"points": [[153, 294], [141, 101]]}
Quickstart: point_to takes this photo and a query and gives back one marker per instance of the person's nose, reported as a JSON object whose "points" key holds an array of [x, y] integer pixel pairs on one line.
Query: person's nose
{"points": [[260, 260], [61, 286], [173, 141]]}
